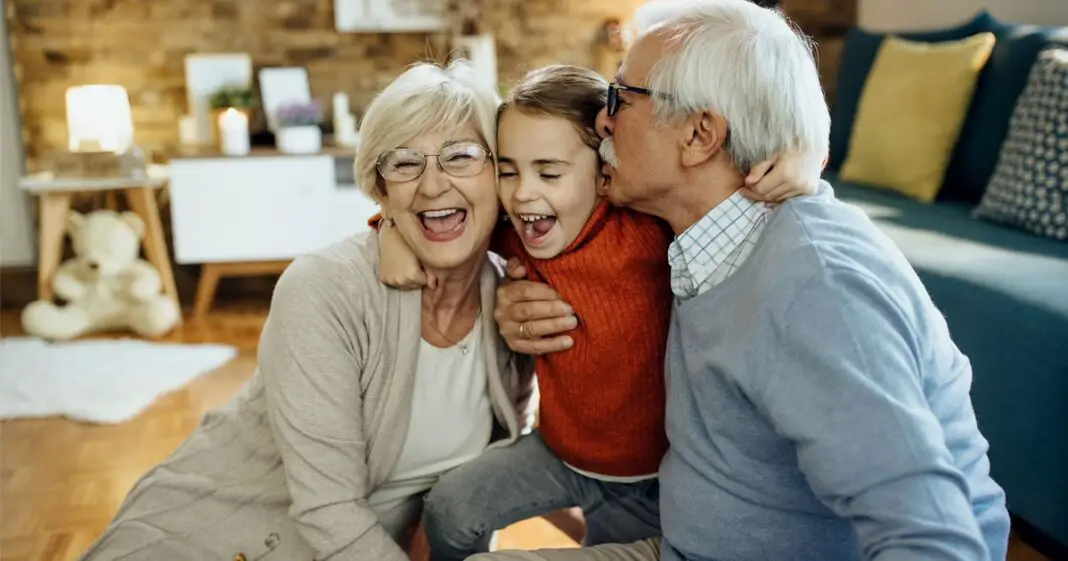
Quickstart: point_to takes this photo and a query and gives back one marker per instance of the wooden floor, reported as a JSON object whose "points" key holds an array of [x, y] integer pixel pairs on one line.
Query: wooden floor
{"points": [[61, 481]]}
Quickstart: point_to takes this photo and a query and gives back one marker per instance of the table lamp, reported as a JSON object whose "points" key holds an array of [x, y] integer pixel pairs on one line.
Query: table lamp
{"points": [[99, 119], [99, 134]]}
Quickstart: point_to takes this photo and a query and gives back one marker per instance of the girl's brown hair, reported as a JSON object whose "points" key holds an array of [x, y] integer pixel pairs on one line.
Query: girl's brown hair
{"points": [[569, 92]]}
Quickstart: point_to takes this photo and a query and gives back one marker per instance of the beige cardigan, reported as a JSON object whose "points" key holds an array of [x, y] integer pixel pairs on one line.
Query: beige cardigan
{"points": [[284, 470]]}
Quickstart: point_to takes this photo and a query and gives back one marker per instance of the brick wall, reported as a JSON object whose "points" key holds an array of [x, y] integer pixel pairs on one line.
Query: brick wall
{"points": [[141, 45]]}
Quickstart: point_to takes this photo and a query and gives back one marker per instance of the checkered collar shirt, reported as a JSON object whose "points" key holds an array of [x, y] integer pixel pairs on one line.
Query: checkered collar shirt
{"points": [[712, 248]]}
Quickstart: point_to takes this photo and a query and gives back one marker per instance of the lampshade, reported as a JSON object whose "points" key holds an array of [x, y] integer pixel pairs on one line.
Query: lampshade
{"points": [[99, 119]]}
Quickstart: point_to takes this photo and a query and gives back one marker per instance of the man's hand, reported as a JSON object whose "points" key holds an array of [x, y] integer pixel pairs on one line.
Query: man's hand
{"points": [[530, 315]]}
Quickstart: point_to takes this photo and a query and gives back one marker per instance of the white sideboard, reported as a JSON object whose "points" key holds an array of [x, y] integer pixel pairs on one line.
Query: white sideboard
{"points": [[260, 208], [253, 214]]}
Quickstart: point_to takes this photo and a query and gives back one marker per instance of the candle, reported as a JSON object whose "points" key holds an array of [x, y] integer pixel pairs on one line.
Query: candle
{"points": [[341, 104], [187, 130], [233, 132], [345, 130]]}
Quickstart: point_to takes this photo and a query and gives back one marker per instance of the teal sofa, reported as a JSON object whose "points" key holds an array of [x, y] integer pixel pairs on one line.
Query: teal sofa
{"points": [[1003, 291]]}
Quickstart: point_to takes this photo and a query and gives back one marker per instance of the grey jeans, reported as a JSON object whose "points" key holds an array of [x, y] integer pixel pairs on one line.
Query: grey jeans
{"points": [[506, 485]]}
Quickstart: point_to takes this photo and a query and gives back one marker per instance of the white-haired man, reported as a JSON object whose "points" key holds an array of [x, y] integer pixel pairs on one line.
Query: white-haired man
{"points": [[817, 406]]}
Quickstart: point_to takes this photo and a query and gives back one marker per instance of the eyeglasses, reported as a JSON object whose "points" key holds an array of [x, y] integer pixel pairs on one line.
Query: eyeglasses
{"points": [[613, 95], [464, 159]]}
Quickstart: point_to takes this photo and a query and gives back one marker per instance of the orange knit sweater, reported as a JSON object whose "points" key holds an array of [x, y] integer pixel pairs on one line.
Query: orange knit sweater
{"points": [[602, 401]]}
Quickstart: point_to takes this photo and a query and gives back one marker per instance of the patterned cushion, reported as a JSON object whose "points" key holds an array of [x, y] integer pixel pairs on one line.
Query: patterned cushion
{"points": [[1029, 188]]}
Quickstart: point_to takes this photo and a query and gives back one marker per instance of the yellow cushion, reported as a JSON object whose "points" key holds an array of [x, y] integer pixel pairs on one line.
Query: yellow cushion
{"points": [[911, 112]]}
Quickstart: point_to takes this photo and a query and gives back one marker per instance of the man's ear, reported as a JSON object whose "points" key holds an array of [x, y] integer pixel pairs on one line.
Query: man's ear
{"points": [[704, 136]]}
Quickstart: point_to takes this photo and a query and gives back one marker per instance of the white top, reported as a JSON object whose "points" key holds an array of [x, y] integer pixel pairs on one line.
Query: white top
{"points": [[450, 423], [611, 478]]}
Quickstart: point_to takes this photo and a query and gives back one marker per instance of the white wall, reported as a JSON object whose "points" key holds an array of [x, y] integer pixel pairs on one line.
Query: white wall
{"points": [[17, 236], [902, 15]]}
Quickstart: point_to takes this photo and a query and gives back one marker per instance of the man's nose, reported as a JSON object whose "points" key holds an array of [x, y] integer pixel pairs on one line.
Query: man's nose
{"points": [[604, 124]]}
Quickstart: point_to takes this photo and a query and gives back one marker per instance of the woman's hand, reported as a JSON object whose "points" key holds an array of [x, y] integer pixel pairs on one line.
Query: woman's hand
{"points": [[791, 175], [398, 266], [529, 314]]}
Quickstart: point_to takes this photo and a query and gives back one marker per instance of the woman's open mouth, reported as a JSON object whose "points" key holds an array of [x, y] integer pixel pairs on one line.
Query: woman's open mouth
{"points": [[442, 225], [536, 228]]}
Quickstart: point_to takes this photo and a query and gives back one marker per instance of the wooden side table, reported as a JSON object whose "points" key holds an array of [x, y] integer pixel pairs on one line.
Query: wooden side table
{"points": [[55, 196]]}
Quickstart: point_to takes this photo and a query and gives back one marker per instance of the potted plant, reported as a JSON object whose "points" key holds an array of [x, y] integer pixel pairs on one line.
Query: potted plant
{"points": [[298, 127], [229, 97]]}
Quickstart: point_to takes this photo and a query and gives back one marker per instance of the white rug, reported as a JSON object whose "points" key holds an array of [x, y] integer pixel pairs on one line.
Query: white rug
{"points": [[97, 381]]}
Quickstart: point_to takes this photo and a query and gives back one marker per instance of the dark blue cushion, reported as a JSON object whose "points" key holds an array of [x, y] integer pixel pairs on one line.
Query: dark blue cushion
{"points": [[1004, 293], [1029, 188], [987, 123], [858, 55]]}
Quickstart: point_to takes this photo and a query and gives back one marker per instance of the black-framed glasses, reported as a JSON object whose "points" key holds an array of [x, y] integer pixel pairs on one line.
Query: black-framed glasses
{"points": [[464, 159], [613, 95]]}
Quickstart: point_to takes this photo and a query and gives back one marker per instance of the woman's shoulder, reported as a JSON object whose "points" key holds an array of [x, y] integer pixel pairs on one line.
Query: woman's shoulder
{"points": [[350, 261], [334, 276]]}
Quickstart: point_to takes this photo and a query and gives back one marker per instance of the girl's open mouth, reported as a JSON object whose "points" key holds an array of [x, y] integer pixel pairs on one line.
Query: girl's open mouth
{"points": [[536, 227]]}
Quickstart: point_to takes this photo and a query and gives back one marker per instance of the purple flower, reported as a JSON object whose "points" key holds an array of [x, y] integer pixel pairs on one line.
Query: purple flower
{"points": [[299, 114]]}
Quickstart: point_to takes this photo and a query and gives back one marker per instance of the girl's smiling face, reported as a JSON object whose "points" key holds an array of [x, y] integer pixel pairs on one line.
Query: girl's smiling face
{"points": [[549, 180]]}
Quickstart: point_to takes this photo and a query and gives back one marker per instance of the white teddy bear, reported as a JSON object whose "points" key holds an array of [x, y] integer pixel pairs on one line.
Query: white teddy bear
{"points": [[106, 285]]}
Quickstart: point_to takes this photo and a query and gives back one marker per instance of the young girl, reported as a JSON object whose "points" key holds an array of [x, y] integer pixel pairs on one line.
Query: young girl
{"points": [[601, 432]]}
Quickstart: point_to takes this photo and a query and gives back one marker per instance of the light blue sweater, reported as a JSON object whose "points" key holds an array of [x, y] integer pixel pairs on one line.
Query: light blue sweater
{"points": [[818, 409]]}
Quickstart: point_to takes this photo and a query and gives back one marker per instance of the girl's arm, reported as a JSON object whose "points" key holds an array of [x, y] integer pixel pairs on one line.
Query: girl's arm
{"points": [[791, 175], [399, 268]]}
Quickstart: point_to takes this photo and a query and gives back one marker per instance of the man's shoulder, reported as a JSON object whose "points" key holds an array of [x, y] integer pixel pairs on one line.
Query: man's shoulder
{"points": [[819, 231], [819, 243]]}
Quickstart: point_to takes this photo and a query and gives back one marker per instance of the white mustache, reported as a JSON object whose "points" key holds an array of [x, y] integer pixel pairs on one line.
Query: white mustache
{"points": [[607, 150]]}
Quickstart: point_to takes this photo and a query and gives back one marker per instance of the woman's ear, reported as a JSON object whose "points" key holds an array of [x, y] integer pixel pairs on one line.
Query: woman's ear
{"points": [[602, 184], [704, 134]]}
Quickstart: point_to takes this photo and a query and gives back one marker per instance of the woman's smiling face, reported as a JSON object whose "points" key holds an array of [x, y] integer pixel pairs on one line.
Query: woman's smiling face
{"points": [[445, 216], [549, 180]]}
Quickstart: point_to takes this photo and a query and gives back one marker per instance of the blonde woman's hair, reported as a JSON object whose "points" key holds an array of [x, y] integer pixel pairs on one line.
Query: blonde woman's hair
{"points": [[424, 98], [573, 93]]}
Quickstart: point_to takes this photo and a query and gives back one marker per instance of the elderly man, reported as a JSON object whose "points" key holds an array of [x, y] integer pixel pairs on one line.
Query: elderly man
{"points": [[817, 406]]}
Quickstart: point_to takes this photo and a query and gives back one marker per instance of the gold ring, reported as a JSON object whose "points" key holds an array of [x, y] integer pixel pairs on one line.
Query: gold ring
{"points": [[523, 330]]}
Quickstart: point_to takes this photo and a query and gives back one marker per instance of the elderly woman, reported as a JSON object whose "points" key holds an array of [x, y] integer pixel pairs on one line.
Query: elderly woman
{"points": [[364, 394]]}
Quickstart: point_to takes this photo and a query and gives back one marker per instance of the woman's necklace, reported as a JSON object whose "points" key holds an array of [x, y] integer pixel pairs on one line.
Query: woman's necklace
{"points": [[462, 344]]}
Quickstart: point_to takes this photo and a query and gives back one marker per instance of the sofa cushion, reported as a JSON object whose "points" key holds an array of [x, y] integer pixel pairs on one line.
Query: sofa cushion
{"points": [[911, 113], [858, 55], [1030, 184], [987, 122], [1005, 298], [996, 93]]}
